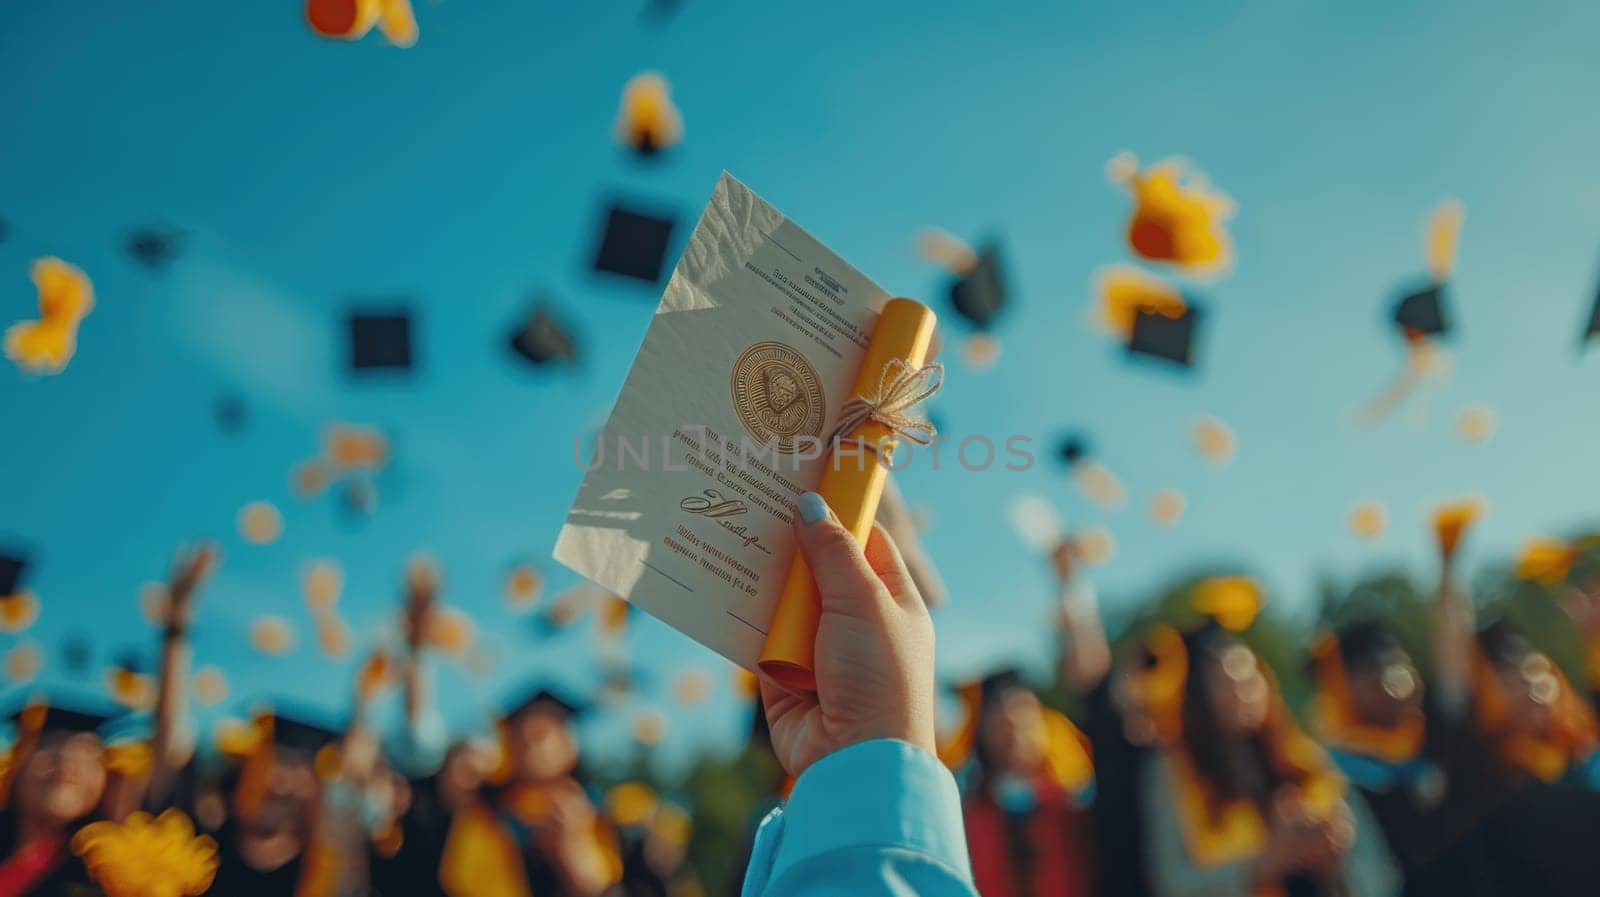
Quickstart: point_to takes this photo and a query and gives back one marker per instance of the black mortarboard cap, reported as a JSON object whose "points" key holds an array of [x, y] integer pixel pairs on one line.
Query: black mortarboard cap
{"points": [[981, 294], [1368, 643], [998, 683], [1158, 336], [301, 731], [69, 716], [1504, 644], [130, 659], [155, 247], [1073, 448], [661, 10], [543, 339], [231, 413], [1594, 320], [1423, 311], [380, 340], [11, 569], [76, 652], [634, 243], [546, 697]]}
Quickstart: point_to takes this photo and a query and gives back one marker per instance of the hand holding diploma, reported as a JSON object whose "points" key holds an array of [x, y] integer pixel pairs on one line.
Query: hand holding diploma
{"points": [[873, 657], [771, 368], [891, 380]]}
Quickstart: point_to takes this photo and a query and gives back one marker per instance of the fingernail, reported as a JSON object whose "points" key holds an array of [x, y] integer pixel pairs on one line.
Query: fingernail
{"points": [[812, 507]]}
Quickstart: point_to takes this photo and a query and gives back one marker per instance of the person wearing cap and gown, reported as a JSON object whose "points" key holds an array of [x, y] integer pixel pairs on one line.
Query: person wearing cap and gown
{"points": [[1410, 751], [1029, 823], [52, 784], [1026, 810], [1545, 736], [271, 843], [442, 779], [1118, 737], [268, 843], [435, 802], [536, 834], [1412, 758], [1241, 801], [654, 834]]}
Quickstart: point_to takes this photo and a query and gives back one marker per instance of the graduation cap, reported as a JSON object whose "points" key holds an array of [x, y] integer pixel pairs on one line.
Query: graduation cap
{"points": [[1588, 332], [542, 338], [1148, 315], [1504, 645], [1073, 448], [647, 120], [380, 340], [1420, 315], [1368, 643], [66, 716], [634, 243], [298, 731], [354, 19], [12, 567], [18, 606], [1178, 219], [359, 498], [1169, 338], [546, 698], [661, 10], [154, 247], [980, 294], [76, 652], [995, 685], [230, 413], [1093, 478], [1421, 312], [131, 660]]}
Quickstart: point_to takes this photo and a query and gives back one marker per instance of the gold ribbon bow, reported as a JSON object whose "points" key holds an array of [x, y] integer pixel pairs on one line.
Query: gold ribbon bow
{"points": [[900, 388]]}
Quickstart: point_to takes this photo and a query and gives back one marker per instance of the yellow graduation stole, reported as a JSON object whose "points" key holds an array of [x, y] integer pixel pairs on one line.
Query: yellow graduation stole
{"points": [[483, 859], [1336, 724], [480, 858]]}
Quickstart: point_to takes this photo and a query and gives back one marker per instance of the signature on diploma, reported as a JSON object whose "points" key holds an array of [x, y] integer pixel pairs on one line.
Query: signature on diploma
{"points": [[712, 504]]}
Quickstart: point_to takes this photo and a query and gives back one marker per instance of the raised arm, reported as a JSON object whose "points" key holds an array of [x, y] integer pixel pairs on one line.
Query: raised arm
{"points": [[169, 753], [1454, 635], [1085, 653], [422, 740]]}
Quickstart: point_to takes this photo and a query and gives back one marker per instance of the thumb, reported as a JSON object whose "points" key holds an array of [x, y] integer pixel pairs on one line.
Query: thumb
{"points": [[838, 564]]}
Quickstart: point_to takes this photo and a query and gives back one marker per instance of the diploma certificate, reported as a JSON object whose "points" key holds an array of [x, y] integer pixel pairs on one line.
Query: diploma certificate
{"points": [[688, 499]]}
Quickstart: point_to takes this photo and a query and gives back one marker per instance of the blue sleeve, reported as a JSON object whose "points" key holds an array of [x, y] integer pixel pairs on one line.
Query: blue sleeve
{"points": [[876, 818], [418, 746]]}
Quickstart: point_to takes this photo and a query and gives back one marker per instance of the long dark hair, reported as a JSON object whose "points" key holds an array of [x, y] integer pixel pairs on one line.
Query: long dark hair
{"points": [[985, 766], [1251, 767]]}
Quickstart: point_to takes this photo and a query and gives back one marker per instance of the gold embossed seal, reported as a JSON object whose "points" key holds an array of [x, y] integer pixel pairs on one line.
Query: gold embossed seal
{"points": [[777, 394]]}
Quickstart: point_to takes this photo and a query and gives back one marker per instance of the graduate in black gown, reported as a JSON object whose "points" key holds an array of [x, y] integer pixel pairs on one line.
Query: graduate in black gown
{"points": [[1545, 736], [654, 836], [1120, 736], [536, 832], [53, 784], [413, 869], [439, 781], [1429, 780], [270, 843]]}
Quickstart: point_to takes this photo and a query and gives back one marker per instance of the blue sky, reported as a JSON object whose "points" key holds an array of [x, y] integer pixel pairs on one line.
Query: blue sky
{"points": [[470, 171]]}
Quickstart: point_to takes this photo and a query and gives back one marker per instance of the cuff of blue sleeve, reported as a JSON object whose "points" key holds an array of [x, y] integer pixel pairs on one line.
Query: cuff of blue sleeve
{"points": [[881, 793], [419, 746]]}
